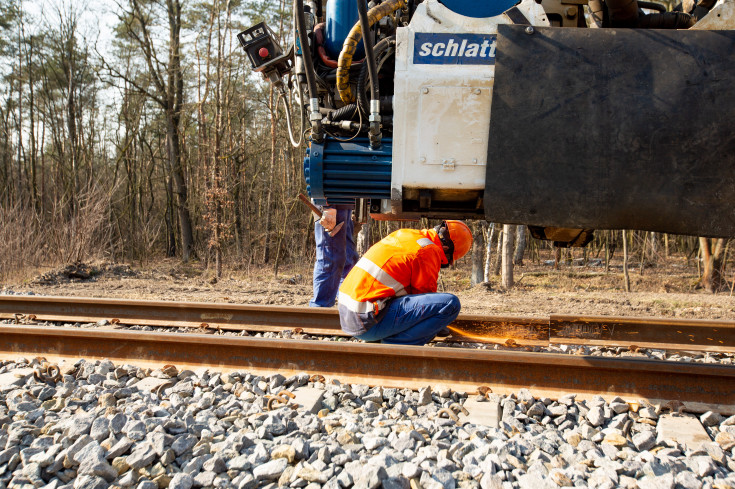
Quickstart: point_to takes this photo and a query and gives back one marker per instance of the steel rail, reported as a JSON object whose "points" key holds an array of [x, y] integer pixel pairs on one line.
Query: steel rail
{"points": [[233, 317], [700, 387], [681, 334]]}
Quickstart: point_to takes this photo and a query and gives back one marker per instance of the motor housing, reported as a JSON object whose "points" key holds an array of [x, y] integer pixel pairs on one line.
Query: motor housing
{"points": [[338, 172]]}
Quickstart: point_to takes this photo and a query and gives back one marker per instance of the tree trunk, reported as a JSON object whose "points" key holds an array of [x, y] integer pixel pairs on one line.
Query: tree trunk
{"points": [[654, 248], [170, 233], [363, 237], [478, 252], [508, 248], [626, 276], [19, 121], [499, 251], [72, 124], [713, 254], [643, 252], [520, 245], [179, 186], [490, 234], [32, 135], [175, 101], [271, 170]]}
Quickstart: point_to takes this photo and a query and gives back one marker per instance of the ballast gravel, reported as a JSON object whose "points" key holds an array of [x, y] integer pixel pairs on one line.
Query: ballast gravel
{"points": [[95, 426]]}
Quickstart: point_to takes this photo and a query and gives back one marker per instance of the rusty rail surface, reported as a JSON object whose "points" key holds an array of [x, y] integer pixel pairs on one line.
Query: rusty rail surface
{"points": [[680, 334], [700, 387]]}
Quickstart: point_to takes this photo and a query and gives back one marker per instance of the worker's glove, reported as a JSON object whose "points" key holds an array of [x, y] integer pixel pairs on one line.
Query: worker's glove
{"points": [[329, 219]]}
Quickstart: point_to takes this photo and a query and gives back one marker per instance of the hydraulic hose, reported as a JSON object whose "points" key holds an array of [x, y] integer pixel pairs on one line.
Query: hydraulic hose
{"points": [[652, 6], [666, 20], [597, 13], [314, 115], [343, 113], [348, 48], [623, 13], [374, 134], [363, 78], [367, 40]]}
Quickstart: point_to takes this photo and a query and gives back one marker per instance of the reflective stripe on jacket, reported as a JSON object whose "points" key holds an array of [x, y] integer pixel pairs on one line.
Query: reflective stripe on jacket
{"points": [[404, 262]]}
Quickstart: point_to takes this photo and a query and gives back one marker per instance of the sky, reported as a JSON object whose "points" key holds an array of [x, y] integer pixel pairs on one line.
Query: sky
{"points": [[97, 18]]}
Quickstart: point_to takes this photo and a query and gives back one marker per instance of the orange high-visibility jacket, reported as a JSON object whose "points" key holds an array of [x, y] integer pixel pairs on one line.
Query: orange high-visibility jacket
{"points": [[404, 262]]}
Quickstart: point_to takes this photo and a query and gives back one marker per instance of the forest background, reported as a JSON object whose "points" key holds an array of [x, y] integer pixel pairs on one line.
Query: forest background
{"points": [[149, 139]]}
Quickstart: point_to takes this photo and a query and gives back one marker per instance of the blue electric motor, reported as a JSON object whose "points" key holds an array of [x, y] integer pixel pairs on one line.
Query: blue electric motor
{"points": [[341, 16], [478, 9], [339, 172]]}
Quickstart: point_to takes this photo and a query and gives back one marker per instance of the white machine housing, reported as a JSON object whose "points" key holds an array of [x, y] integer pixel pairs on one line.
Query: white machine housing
{"points": [[442, 101]]}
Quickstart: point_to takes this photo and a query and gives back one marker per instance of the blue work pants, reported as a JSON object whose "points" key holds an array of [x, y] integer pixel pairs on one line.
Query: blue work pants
{"points": [[414, 319], [335, 257]]}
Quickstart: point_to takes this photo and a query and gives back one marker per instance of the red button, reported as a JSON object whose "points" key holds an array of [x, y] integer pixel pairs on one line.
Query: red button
{"points": [[263, 52]]}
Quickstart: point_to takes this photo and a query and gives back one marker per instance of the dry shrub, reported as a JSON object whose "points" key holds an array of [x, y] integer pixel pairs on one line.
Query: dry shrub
{"points": [[65, 234], [78, 232], [21, 242]]}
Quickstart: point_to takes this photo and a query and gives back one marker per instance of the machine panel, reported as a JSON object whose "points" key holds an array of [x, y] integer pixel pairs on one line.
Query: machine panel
{"points": [[443, 84], [613, 128], [463, 143]]}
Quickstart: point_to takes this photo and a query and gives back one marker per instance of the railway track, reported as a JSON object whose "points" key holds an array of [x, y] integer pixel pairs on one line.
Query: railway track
{"points": [[701, 387]]}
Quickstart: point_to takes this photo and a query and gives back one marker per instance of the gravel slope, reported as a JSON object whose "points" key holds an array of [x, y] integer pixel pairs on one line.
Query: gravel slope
{"points": [[95, 426]]}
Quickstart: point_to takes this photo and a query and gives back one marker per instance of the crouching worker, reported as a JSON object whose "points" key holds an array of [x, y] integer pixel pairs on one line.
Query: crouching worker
{"points": [[390, 294]]}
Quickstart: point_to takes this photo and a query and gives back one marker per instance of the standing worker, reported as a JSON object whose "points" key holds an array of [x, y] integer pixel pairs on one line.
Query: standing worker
{"points": [[335, 253], [390, 294]]}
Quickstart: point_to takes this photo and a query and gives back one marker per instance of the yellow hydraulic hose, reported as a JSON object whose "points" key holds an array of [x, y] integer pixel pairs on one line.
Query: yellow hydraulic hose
{"points": [[348, 48]]}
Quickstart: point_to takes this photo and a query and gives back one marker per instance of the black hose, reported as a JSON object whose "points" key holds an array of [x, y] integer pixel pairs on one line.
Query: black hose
{"points": [[367, 40], [308, 63], [652, 6], [598, 12], [362, 79], [345, 112], [666, 20], [623, 13]]}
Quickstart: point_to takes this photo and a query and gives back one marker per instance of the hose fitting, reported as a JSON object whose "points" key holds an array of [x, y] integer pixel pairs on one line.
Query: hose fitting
{"points": [[317, 132], [375, 133], [314, 114]]}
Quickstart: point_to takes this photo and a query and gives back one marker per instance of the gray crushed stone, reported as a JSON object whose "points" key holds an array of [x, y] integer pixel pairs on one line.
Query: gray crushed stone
{"points": [[213, 429]]}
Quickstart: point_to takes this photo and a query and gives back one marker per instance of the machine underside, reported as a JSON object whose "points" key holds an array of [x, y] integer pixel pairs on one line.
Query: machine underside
{"points": [[528, 116]]}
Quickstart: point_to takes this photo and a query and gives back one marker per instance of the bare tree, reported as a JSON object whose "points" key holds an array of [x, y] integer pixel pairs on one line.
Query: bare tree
{"points": [[164, 86], [509, 232], [364, 237], [626, 275], [713, 259], [489, 235], [478, 252], [499, 251], [520, 245]]}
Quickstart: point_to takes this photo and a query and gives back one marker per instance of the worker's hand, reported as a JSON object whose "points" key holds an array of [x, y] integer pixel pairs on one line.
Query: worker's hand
{"points": [[329, 219]]}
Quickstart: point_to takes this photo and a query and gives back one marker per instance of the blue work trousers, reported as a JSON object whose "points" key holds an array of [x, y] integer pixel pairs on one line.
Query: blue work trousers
{"points": [[414, 319], [335, 257]]}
